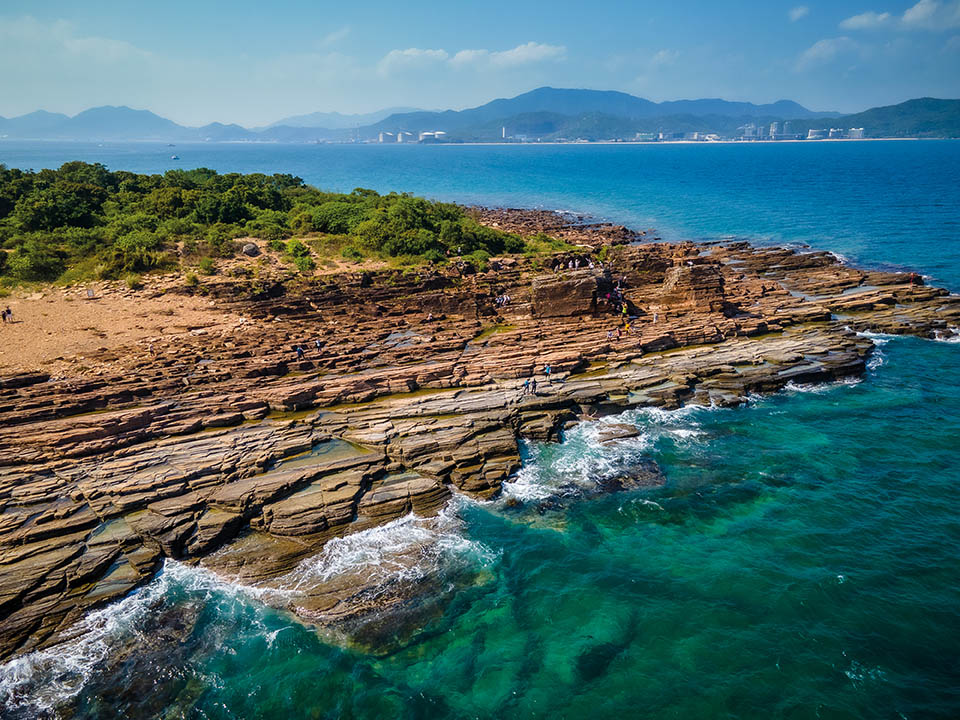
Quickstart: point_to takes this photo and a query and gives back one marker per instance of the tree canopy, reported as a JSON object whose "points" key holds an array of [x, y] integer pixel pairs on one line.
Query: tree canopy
{"points": [[85, 221]]}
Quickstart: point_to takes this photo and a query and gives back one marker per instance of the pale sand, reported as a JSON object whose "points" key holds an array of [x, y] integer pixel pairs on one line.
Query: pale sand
{"points": [[58, 329]]}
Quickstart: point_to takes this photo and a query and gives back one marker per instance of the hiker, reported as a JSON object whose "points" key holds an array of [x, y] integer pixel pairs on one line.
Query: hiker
{"points": [[9, 314], [619, 333], [546, 371], [3, 314], [609, 334], [656, 316], [526, 386], [299, 352], [533, 386], [317, 343]]}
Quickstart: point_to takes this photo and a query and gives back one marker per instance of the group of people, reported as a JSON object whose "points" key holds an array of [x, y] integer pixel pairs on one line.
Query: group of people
{"points": [[530, 384], [574, 264], [501, 300], [7, 314], [298, 349]]}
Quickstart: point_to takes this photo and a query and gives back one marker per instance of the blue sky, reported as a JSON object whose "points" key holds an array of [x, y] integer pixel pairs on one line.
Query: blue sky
{"points": [[253, 62]]}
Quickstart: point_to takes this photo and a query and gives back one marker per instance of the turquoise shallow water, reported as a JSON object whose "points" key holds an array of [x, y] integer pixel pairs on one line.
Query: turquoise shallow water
{"points": [[801, 562]]}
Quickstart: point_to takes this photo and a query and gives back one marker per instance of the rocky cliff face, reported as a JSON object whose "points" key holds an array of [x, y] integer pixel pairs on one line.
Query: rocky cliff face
{"points": [[228, 451]]}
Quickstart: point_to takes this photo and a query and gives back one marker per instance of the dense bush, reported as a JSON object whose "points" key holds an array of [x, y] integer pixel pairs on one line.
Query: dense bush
{"points": [[84, 220]]}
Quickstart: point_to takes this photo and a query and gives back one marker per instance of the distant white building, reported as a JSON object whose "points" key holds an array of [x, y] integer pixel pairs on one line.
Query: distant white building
{"points": [[855, 133], [837, 133], [818, 134], [386, 137], [774, 130], [404, 136]]}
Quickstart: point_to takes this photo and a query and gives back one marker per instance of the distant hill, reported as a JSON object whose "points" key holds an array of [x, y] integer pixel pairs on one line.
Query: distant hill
{"points": [[545, 113], [576, 103], [339, 121]]}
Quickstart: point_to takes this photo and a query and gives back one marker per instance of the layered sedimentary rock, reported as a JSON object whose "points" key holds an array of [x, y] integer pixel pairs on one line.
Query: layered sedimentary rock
{"points": [[228, 450]]}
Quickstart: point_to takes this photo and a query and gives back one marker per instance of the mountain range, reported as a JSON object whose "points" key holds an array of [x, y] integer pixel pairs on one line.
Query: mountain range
{"points": [[545, 113]]}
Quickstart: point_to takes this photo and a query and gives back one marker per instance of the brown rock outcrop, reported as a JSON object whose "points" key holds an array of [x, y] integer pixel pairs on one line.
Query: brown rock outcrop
{"points": [[222, 448]]}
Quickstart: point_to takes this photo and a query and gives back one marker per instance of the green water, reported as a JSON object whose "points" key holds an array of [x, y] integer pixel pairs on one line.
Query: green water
{"points": [[801, 562]]}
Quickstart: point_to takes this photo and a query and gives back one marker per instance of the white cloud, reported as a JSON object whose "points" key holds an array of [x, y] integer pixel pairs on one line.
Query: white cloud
{"points": [[922, 13], [824, 51], [396, 60], [932, 15], [866, 21], [799, 12], [525, 54], [332, 38], [664, 57]]}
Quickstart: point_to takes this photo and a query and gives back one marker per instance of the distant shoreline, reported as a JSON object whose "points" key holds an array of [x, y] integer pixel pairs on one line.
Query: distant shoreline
{"points": [[471, 144]]}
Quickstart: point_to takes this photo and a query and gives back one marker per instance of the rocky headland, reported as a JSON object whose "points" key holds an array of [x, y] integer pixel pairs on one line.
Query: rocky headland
{"points": [[217, 445]]}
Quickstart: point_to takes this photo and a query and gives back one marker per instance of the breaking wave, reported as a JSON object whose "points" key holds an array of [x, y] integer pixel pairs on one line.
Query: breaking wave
{"points": [[405, 550], [582, 461]]}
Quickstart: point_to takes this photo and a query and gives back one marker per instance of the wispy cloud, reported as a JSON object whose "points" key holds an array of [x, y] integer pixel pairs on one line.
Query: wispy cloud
{"points": [[525, 54], [332, 38], [866, 21], [924, 15], [932, 15], [824, 51], [410, 58], [664, 57], [531, 52], [798, 13]]}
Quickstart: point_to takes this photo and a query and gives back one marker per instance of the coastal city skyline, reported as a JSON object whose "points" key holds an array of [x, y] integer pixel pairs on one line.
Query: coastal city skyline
{"points": [[252, 65]]}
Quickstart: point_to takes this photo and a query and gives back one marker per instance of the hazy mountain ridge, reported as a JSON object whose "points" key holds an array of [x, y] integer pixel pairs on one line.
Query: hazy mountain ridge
{"points": [[545, 113], [338, 121]]}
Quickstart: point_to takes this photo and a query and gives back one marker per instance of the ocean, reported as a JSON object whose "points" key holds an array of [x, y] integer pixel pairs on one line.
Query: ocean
{"points": [[802, 561]]}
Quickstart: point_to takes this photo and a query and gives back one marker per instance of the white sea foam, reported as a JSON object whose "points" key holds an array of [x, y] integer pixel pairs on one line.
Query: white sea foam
{"points": [[582, 461], [407, 549], [953, 337], [44, 679]]}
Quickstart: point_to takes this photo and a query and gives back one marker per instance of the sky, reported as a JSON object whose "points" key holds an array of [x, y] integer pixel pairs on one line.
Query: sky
{"points": [[254, 62]]}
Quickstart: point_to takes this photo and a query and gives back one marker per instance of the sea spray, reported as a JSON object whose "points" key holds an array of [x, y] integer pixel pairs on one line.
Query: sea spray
{"points": [[404, 550]]}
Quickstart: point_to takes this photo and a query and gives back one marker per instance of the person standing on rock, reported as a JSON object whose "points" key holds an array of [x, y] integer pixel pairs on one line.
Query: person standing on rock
{"points": [[546, 371], [299, 352], [526, 386], [533, 386], [3, 314]]}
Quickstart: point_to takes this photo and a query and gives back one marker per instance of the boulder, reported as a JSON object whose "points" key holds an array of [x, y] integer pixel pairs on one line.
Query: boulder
{"points": [[250, 249]]}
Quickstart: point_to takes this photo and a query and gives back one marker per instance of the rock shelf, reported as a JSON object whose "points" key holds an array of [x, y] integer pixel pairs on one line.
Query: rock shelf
{"points": [[220, 447]]}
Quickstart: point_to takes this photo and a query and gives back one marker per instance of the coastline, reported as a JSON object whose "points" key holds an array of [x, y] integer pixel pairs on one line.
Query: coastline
{"points": [[416, 393]]}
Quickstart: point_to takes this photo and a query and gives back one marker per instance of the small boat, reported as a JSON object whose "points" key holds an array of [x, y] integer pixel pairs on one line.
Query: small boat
{"points": [[174, 157]]}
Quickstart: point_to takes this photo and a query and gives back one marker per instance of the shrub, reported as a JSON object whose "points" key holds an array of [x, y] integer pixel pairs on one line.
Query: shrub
{"points": [[207, 266], [352, 252], [191, 280], [36, 259], [296, 249], [134, 282], [305, 264]]}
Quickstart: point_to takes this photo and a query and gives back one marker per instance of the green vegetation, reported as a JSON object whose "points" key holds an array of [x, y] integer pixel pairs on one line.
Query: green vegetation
{"points": [[83, 221]]}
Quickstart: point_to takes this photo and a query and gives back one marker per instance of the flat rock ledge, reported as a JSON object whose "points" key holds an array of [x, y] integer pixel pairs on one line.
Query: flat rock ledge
{"points": [[224, 449]]}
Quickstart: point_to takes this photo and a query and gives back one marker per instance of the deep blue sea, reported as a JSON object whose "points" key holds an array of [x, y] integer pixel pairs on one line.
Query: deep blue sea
{"points": [[803, 560]]}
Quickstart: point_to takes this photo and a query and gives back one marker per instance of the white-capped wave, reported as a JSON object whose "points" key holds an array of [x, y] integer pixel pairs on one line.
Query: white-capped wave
{"points": [[40, 681], [582, 461], [407, 549], [953, 336]]}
